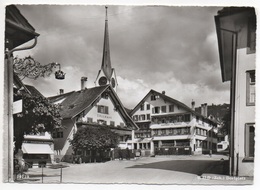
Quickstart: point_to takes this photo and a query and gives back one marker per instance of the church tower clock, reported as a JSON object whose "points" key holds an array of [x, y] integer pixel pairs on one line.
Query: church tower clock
{"points": [[106, 75]]}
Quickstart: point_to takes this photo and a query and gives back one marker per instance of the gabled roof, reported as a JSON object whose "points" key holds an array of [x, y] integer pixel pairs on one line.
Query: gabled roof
{"points": [[24, 88], [56, 98], [78, 101], [168, 99], [17, 30], [33, 90]]}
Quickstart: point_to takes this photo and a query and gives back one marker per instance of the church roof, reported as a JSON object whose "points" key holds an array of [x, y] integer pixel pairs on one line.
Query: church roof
{"points": [[106, 61]]}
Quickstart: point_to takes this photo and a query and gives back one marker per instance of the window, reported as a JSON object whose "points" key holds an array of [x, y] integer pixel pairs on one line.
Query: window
{"points": [[249, 141], [90, 120], [250, 88], [148, 117], [171, 108], [103, 109], [57, 134], [187, 117], [112, 123], [105, 95], [148, 107], [154, 97], [142, 107], [122, 124], [135, 117], [142, 117], [101, 122], [156, 110], [163, 109]]}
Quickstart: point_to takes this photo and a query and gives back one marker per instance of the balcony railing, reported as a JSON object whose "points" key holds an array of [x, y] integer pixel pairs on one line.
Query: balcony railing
{"points": [[171, 134]]}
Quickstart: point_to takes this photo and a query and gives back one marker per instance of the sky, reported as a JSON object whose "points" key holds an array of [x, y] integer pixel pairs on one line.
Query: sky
{"points": [[165, 48]]}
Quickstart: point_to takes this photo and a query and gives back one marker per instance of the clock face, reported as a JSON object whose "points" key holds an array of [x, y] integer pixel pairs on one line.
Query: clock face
{"points": [[113, 82], [102, 81]]}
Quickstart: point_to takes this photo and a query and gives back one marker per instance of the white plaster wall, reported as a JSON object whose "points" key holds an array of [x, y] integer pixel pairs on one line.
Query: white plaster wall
{"points": [[112, 115], [244, 114], [158, 102]]}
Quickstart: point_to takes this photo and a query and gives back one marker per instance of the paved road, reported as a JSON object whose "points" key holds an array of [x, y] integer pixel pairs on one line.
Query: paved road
{"points": [[158, 170]]}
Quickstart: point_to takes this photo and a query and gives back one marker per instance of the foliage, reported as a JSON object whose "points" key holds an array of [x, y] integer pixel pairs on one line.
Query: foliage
{"points": [[38, 115], [225, 129], [93, 138]]}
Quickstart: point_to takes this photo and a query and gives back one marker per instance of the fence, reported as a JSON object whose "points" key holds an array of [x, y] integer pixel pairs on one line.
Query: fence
{"points": [[173, 151], [47, 173]]}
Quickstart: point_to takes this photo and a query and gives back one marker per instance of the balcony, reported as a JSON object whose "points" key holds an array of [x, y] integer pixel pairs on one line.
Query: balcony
{"points": [[169, 125]]}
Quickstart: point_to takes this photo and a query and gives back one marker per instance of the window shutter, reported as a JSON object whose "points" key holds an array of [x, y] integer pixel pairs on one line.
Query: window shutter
{"points": [[106, 109], [153, 110]]}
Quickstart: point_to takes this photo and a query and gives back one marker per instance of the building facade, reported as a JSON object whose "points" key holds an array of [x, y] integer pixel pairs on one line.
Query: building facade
{"points": [[166, 123], [97, 106], [236, 32]]}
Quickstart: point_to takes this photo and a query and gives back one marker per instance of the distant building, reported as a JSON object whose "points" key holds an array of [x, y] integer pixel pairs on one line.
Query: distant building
{"points": [[236, 32], [217, 114], [166, 123]]}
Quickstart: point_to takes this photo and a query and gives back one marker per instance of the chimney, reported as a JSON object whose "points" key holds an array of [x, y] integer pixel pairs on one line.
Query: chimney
{"points": [[163, 92], [193, 105], [61, 91], [83, 82], [202, 109], [206, 110]]}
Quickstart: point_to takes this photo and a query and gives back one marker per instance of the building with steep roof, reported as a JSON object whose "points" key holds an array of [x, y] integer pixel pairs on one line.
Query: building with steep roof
{"points": [[166, 123], [97, 106], [236, 32]]}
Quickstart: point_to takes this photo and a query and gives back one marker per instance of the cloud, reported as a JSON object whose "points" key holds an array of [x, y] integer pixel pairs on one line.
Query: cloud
{"points": [[162, 48]]}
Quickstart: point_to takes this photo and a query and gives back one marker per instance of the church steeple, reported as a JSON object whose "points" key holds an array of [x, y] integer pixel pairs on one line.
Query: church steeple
{"points": [[106, 61], [106, 74]]}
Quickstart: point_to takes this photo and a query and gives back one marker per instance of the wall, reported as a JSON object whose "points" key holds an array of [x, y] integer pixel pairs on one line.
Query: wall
{"points": [[62, 144], [112, 115], [244, 114]]}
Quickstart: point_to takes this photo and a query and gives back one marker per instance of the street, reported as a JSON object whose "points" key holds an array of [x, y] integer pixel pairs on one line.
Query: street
{"points": [[201, 169]]}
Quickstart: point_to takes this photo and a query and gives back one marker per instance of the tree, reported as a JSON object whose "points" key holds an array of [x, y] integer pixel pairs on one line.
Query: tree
{"points": [[225, 129], [38, 115], [94, 138]]}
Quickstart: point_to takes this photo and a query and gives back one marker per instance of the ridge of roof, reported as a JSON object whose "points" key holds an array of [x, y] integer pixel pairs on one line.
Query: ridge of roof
{"points": [[59, 96], [170, 100]]}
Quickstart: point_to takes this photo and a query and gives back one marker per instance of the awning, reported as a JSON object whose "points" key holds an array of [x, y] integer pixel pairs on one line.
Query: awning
{"points": [[31, 148]]}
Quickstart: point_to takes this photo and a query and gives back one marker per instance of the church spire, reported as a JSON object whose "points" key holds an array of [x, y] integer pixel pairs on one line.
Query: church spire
{"points": [[106, 62], [107, 74]]}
